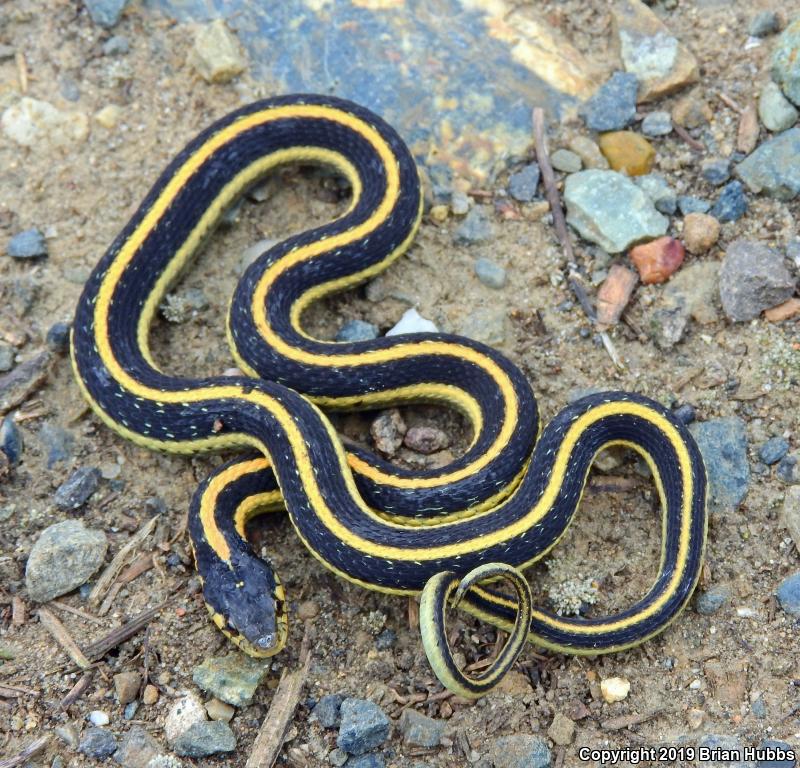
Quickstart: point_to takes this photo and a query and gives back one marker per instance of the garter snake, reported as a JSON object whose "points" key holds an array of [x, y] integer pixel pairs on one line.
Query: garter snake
{"points": [[500, 507]]}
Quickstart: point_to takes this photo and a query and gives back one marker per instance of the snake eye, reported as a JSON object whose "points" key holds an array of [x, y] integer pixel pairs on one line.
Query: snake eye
{"points": [[265, 642]]}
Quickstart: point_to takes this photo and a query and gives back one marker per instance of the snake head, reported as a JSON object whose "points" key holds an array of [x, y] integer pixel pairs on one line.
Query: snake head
{"points": [[246, 601]]}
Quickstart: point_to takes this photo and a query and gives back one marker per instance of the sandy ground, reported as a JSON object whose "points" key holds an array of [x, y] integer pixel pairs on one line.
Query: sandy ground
{"points": [[82, 196]]}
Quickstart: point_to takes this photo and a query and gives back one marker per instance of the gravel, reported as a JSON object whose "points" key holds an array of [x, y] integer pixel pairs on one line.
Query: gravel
{"points": [[477, 227], [723, 444], [731, 205], [613, 105], [490, 274], [29, 244], [788, 594], [364, 726], [657, 124], [98, 743], [773, 450], [233, 678], [205, 737], [522, 184], [77, 489]]}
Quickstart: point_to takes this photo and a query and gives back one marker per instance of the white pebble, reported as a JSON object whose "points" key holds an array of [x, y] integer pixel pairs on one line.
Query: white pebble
{"points": [[412, 322], [615, 689], [97, 717]]}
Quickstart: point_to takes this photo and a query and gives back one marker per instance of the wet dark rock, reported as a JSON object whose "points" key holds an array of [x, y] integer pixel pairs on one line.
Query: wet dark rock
{"points": [[11, 441], [773, 450], [613, 106], [29, 244], [731, 205], [98, 743], [58, 337], [685, 413], [522, 184], [364, 726], [723, 444], [77, 489]]}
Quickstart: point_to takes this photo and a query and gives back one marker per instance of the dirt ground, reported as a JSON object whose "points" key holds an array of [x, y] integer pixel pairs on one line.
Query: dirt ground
{"points": [[81, 197]]}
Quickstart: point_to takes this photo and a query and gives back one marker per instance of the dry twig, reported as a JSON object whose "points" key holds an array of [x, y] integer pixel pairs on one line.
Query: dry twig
{"points": [[101, 647], [77, 690], [63, 638], [269, 740], [28, 752], [626, 721], [560, 223]]}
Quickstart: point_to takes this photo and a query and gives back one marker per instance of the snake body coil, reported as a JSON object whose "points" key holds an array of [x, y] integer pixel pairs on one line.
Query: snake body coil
{"points": [[375, 524]]}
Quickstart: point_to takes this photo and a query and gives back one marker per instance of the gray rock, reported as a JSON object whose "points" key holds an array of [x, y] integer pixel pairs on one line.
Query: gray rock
{"points": [[232, 678], [460, 202], [7, 355], [98, 743], [774, 166], [165, 761], [669, 324], [613, 105], [520, 751], [786, 62], [326, 712], [477, 227], [659, 191], [364, 726], [77, 489], [753, 278], [419, 730], [566, 161], [29, 244], [367, 761], [689, 204], [708, 602], [608, 209], [777, 762], [205, 737], [357, 330], [716, 170], [723, 444], [685, 413], [138, 748], [337, 757], [485, 324], [776, 111], [386, 639], [118, 45], [58, 443], [58, 337], [789, 594], [69, 88], [773, 450], [731, 205], [490, 274], [759, 709], [716, 742], [11, 441], [64, 556], [657, 124], [764, 23], [789, 469], [522, 184], [105, 13]]}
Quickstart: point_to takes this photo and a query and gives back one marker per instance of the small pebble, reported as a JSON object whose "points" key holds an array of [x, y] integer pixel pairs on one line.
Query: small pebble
{"points": [[522, 184], [658, 259], [108, 116], [628, 152], [29, 244], [233, 678], [97, 717], [791, 513], [613, 105], [789, 594], [708, 602], [183, 713], [700, 232], [688, 204], [695, 718], [657, 124], [460, 203], [138, 748], [308, 609], [490, 274], [386, 640], [77, 489], [561, 730], [685, 413], [65, 555], [789, 469], [118, 45], [364, 726], [774, 167], [98, 743], [565, 161], [747, 133], [105, 13], [759, 708], [357, 330], [130, 710], [326, 711], [519, 751], [773, 450], [589, 153], [204, 738], [426, 440], [58, 337], [764, 24], [716, 171], [614, 294], [150, 695], [786, 61], [731, 205], [387, 431], [126, 686], [216, 54], [723, 444], [691, 112], [337, 757], [372, 760], [11, 441], [58, 442], [779, 754], [477, 227], [219, 710], [777, 113], [659, 191], [615, 689], [7, 355], [419, 730], [412, 322]]}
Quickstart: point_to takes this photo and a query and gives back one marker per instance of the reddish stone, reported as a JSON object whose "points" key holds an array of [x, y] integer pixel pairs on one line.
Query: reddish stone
{"points": [[658, 259]]}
